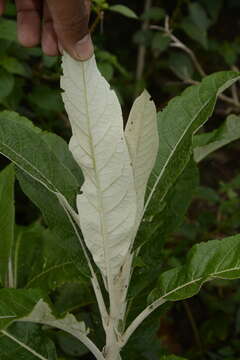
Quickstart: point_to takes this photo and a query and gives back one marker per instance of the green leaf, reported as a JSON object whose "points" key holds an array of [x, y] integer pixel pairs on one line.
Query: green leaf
{"points": [[70, 345], [55, 217], [14, 66], [205, 144], [154, 13], [166, 217], [213, 8], [106, 70], [14, 304], [8, 30], [123, 10], [7, 219], [193, 107], [23, 144], [31, 335], [197, 24], [160, 42], [206, 261], [199, 16], [47, 265], [46, 99], [181, 65], [6, 84], [193, 31], [60, 149]]}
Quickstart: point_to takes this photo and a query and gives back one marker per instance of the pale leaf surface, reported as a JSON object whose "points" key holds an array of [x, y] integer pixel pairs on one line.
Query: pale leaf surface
{"points": [[42, 314], [107, 204], [143, 141]]}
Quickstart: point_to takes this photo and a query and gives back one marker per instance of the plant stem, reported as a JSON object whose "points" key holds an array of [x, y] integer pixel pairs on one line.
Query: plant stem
{"points": [[193, 325], [23, 345], [142, 50], [94, 280], [234, 100], [179, 44], [140, 318]]}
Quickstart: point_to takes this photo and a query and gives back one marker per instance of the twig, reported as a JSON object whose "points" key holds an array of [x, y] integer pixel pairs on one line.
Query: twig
{"points": [[142, 49], [193, 325], [180, 45], [99, 18], [234, 88]]}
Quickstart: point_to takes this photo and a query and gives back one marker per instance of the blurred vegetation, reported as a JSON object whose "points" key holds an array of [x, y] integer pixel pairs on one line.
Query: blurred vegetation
{"points": [[164, 46]]}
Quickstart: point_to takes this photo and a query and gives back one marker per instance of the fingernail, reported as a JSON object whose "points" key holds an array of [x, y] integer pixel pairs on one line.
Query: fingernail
{"points": [[84, 48]]}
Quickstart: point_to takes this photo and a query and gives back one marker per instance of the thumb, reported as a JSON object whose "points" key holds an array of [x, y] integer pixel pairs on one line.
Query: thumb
{"points": [[70, 21]]}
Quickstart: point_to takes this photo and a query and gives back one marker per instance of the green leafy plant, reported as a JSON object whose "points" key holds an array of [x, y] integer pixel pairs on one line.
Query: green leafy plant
{"points": [[104, 224]]}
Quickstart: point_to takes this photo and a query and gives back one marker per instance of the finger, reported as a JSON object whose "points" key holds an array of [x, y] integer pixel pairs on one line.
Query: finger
{"points": [[70, 21], [2, 6], [49, 37], [29, 22]]}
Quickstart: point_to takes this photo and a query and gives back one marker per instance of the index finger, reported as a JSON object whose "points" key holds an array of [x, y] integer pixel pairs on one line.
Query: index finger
{"points": [[70, 21], [2, 6]]}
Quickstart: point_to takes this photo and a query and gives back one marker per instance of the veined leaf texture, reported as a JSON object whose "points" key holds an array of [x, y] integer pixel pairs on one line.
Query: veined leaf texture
{"points": [[108, 201]]}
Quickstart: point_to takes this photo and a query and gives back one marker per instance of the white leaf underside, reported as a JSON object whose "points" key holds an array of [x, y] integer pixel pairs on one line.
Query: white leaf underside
{"points": [[107, 204], [42, 314], [143, 142]]}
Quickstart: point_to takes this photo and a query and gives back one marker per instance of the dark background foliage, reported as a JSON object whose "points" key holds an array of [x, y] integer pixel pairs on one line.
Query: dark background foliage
{"points": [[133, 54]]}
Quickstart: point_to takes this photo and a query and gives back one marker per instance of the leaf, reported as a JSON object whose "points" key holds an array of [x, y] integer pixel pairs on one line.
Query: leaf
{"points": [[107, 205], [14, 66], [20, 142], [193, 107], [8, 30], [205, 144], [46, 99], [197, 24], [7, 220], [42, 314], [16, 304], [47, 266], [154, 13], [71, 346], [6, 84], [142, 138], [123, 10], [181, 65], [62, 152], [160, 42], [31, 335], [166, 217], [199, 16], [55, 217], [206, 261], [193, 31]]}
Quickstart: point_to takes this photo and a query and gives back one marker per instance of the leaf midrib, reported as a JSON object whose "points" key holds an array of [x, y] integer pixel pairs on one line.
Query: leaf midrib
{"points": [[169, 159]]}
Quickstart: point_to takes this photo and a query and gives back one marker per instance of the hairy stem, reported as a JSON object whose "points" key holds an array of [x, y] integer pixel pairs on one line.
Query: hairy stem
{"points": [[140, 318], [94, 280]]}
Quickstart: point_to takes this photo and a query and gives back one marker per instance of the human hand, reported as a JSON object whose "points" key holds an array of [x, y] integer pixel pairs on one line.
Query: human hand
{"points": [[56, 24]]}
